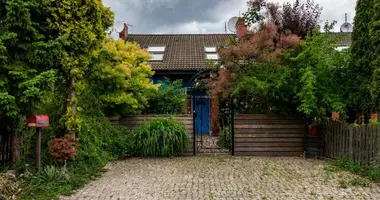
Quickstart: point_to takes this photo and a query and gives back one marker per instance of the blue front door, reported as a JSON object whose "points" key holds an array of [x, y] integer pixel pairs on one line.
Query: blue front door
{"points": [[202, 115]]}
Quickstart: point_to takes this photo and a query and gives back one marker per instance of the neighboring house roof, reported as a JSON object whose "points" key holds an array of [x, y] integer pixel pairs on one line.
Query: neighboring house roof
{"points": [[344, 39], [183, 51]]}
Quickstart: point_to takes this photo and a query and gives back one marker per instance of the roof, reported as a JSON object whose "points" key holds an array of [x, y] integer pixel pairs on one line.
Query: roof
{"points": [[344, 39], [183, 51]]}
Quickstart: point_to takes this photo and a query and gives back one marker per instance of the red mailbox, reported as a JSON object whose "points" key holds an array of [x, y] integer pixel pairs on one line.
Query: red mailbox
{"points": [[38, 121]]}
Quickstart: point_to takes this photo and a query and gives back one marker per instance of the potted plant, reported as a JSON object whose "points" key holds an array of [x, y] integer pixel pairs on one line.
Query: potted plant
{"points": [[314, 128]]}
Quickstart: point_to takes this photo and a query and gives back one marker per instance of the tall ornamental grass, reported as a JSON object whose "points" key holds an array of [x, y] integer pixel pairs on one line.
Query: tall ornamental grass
{"points": [[164, 137]]}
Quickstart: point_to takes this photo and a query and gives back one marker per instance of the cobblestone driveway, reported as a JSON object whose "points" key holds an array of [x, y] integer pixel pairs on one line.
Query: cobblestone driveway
{"points": [[224, 178]]}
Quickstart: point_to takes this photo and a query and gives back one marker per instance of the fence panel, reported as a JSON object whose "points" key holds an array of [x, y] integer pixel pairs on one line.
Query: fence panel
{"points": [[360, 143], [5, 148], [268, 135]]}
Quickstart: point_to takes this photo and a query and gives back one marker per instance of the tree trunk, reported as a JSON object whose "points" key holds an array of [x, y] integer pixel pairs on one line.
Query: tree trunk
{"points": [[16, 146]]}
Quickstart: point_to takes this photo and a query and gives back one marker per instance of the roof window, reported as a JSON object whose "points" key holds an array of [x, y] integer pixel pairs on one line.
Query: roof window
{"points": [[211, 53], [157, 52]]}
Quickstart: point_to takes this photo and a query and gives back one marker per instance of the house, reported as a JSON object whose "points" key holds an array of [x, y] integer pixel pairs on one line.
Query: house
{"points": [[186, 57]]}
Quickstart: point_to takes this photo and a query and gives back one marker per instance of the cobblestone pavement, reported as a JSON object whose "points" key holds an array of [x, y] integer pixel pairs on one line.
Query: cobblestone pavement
{"points": [[225, 178]]}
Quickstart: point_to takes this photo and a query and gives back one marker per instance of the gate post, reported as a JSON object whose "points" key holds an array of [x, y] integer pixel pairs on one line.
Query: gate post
{"points": [[232, 127], [194, 116]]}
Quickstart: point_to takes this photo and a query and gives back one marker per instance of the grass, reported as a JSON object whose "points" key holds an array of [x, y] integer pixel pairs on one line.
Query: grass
{"points": [[366, 174], [371, 172], [163, 137]]}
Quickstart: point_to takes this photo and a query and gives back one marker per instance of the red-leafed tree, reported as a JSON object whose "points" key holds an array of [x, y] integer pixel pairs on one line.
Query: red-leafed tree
{"points": [[253, 65], [298, 18], [285, 65]]}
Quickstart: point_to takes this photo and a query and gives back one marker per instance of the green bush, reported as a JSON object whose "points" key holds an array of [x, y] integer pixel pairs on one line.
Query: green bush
{"points": [[225, 140], [101, 141], [163, 137], [168, 99]]}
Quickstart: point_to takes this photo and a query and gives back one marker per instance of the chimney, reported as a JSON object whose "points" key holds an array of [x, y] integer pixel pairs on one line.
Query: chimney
{"points": [[241, 28], [124, 33]]}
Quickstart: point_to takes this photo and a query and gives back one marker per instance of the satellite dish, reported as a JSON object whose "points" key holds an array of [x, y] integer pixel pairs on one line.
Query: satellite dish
{"points": [[346, 28], [232, 24]]}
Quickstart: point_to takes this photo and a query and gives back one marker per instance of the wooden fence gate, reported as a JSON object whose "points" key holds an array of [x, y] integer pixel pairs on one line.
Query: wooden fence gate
{"points": [[268, 135]]}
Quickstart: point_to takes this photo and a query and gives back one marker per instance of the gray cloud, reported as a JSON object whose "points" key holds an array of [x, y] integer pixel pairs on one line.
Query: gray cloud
{"points": [[201, 16]]}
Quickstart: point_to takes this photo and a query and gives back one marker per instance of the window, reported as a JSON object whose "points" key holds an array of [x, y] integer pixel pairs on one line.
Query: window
{"points": [[211, 53], [342, 48], [212, 56], [157, 57], [210, 49], [157, 49], [157, 52]]}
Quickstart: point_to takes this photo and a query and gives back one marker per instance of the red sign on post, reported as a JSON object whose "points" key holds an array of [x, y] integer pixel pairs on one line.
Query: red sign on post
{"points": [[38, 121]]}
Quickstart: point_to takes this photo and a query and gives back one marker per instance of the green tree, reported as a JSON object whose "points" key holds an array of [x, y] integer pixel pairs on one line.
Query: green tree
{"points": [[320, 75], [375, 63], [42, 41], [120, 77], [361, 55], [81, 26], [25, 66]]}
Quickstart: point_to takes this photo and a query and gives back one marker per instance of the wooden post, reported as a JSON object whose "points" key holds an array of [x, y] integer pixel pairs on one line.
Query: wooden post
{"points": [[232, 127], [38, 149], [350, 143]]}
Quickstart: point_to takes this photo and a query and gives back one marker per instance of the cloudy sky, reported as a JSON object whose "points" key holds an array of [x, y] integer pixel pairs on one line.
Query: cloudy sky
{"points": [[201, 16]]}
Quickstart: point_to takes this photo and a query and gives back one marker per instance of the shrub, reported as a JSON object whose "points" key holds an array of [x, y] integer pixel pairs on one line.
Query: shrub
{"points": [[163, 137], [225, 140], [101, 141], [51, 174], [168, 99], [63, 149], [9, 186]]}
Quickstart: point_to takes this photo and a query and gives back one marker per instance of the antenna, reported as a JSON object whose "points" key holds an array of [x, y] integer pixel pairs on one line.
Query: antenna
{"points": [[232, 24], [346, 26], [345, 17]]}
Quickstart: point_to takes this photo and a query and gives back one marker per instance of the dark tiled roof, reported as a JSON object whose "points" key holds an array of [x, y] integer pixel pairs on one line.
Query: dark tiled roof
{"points": [[183, 51]]}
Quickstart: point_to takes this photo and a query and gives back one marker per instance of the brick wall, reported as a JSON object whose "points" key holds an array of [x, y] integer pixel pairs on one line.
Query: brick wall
{"points": [[214, 115]]}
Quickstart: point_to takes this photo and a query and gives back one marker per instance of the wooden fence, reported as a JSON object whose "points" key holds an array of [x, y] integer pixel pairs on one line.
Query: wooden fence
{"points": [[5, 148], [269, 135], [360, 143], [135, 121]]}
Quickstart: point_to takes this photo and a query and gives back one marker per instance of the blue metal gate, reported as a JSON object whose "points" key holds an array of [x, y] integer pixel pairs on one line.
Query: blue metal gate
{"points": [[201, 109]]}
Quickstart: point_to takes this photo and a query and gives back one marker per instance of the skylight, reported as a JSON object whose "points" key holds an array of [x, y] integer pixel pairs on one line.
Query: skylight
{"points": [[212, 56], [157, 57], [210, 49], [157, 52], [211, 53]]}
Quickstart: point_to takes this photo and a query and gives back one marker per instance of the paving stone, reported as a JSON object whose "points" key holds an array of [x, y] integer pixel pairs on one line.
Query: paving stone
{"points": [[222, 177]]}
